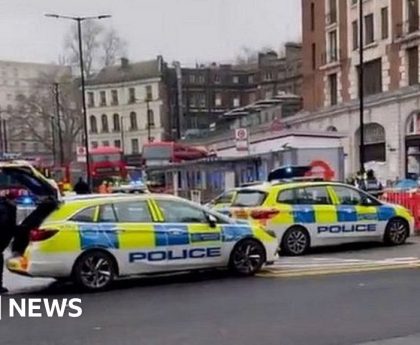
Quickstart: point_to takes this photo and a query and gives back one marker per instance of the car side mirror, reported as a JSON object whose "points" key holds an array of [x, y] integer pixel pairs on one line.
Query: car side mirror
{"points": [[212, 220]]}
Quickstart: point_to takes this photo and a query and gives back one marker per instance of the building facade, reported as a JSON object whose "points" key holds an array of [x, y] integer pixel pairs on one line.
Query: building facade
{"points": [[25, 79], [127, 106], [391, 38], [198, 97]]}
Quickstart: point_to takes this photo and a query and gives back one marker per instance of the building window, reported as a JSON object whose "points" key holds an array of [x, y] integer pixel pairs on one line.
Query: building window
{"points": [[251, 79], [104, 122], [93, 124], [333, 88], [149, 93], [133, 121], [201, 100], [236, 101], [313, 56], [372, 79], [332, 54], [312, 16], [117, 144], [105, 143], [413, 65], [268, 75], [131, 95], [218, 100], [151, 118], [201, 79], [355, 30], [103, 98], [91, 99], [94, 144], [332, 17], [384, 22], [235, 79], [116, 123], [135, 146], [413, 15], [369, 29], [217, 78], [114, 94]]}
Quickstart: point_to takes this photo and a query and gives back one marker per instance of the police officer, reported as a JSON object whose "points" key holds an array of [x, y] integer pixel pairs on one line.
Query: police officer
{"points": [[372, 184], [7, 231]]}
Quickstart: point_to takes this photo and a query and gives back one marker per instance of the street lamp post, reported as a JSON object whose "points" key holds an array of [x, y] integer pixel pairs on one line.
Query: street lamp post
{"points": [[60, 132], [361, 90], [79, 21], [53, 143], [149, 122]]}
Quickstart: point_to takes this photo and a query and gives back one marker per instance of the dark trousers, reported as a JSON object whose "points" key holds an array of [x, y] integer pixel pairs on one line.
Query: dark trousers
{"points": [[1, 269]]}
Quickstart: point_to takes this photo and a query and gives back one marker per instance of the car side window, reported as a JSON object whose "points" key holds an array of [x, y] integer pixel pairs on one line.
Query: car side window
{"points": [[286, 197], [225, 198], [107, 214], [348, 196], [133, 212], [85, 216], [181, 212], [317, 195]]}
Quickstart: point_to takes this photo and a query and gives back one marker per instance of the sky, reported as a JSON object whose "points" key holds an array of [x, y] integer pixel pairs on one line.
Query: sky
{"points": [[190, 31]]}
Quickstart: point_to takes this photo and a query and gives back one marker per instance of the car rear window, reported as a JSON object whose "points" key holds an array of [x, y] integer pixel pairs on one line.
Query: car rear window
{"points": [[248, 198]]}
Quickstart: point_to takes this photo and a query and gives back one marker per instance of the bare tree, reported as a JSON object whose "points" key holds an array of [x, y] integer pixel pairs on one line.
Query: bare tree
{"points": [[35, 114], [101, 47]]}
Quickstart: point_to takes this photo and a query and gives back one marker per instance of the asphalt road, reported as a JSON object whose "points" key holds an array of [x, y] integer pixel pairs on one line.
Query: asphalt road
{"points": [[218, 309]]}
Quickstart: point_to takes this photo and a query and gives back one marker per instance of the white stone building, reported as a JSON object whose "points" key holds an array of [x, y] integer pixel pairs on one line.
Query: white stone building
{"points": [[119, 100], [18, 78]]}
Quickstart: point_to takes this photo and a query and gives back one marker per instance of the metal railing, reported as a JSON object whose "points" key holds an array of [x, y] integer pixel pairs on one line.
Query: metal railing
{"points": [[408, 27]]}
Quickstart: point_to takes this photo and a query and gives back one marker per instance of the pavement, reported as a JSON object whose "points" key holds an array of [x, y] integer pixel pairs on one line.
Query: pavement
{"points": [[325, 298]]}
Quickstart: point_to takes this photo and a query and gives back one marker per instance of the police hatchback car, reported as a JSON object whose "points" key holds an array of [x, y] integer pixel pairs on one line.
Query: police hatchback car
{"points": [[94, 240], [310, 214]]}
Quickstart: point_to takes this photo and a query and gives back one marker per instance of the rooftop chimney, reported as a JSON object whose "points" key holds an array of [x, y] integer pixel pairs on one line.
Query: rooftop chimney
{"points": [[124, 62]]}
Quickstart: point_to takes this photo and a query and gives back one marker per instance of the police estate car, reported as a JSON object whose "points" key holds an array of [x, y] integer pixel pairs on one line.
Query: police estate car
{"points": [[310, 214], [95, 239]]}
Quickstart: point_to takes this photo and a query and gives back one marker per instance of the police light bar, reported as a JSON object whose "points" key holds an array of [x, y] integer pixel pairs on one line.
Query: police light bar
{"points": [[298, 179]]}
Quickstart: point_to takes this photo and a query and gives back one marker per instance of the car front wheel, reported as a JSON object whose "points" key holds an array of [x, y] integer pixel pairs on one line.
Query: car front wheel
{"points": [[396, 232], [94, 270], [295, 242], [247, 257]]}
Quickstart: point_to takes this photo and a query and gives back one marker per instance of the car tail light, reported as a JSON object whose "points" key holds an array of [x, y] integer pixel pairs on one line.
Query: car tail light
{"points": [[37, 235], [264, 215]]}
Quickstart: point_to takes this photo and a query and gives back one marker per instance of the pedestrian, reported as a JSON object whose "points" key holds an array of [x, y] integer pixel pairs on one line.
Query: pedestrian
{"points": [[110, 188], [81, 187], [7, 231], [103, 188]]}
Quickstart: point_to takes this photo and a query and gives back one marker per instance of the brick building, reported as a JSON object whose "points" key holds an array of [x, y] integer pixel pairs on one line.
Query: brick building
{"points": [[200, 96], [391, 84]]}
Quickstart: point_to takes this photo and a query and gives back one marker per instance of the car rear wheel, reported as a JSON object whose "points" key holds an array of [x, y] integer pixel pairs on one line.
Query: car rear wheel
{"points": [[396, 232], [247, 257], [295, 242], [94, 270]]}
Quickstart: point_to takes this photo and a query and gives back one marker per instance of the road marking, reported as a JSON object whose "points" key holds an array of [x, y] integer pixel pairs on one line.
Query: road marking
{"points": [[315, 266]]}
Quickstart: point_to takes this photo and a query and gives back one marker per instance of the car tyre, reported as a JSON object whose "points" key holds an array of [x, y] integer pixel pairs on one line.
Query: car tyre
{"points": [[94, 270], [396, 232], [295, 242], [247, 257]]}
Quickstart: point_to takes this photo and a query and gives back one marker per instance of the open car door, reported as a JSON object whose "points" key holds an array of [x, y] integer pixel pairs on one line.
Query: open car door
{"points": [[46, 196]]}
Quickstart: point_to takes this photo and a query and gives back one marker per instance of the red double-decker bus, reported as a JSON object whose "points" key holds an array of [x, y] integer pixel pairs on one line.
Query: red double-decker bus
{"points": [[164, 152], [106, 163]]}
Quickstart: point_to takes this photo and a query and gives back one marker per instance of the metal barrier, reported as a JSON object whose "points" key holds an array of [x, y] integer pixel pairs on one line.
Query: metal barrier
{"points": [[409, 199]]}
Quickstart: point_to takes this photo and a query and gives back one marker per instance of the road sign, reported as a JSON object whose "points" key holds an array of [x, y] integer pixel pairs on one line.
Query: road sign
{"points": [[81, 154], [241, 139]]}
